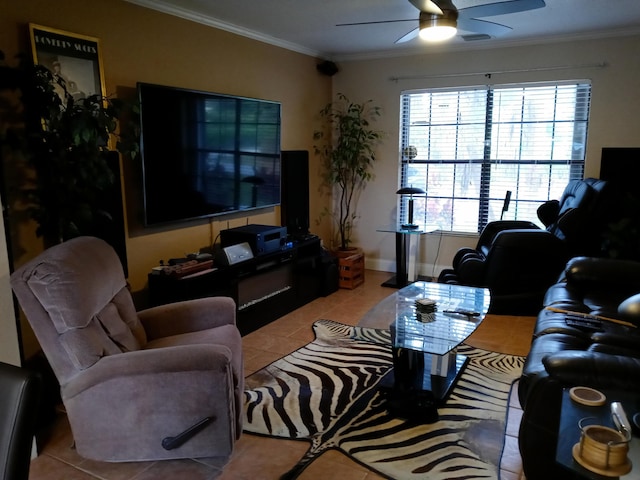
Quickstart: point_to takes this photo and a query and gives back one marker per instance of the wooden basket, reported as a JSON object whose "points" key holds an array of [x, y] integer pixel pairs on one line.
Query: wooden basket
{"points": [[351, 270]]}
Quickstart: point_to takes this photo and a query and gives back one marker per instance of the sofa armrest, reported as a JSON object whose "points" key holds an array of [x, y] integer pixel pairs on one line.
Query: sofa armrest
{"points": [[593, 369], [630, 308], [608, 273], [188, 316]]}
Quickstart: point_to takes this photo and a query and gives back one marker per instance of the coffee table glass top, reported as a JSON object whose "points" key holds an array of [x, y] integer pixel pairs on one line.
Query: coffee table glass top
{"points": [[448, 327]]}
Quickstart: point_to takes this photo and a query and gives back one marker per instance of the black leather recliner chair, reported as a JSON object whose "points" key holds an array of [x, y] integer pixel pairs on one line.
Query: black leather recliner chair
{"points": [[564, 356], [518, 261]]}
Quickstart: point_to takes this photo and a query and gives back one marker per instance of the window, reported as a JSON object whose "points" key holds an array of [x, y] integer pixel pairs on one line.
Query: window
{"points": [[467, 148]]}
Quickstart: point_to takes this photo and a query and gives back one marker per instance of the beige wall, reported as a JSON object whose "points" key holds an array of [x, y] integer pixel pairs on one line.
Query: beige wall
{"points": [[138, 44], [9, 350], [614, 120]]}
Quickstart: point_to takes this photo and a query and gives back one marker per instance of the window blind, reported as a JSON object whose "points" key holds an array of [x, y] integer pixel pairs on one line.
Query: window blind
{"points": [[467, 148]]}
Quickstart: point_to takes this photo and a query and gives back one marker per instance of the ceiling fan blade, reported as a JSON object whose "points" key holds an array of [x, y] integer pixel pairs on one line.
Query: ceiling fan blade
{"points": [[426, 6], [408, 36], [501, 8], [482, 26], [374, 23]]}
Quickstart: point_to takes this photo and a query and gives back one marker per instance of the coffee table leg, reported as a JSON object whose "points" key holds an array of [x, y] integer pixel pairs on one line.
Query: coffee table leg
{"points": [[443, 365], [420, 382]]}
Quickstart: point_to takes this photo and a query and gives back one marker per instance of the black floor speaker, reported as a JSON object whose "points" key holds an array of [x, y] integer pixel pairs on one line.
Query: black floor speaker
{"points": [[621, 166], [294, 209]]}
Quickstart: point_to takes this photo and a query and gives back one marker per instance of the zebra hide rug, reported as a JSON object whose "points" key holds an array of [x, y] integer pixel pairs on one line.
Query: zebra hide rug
{"points": [[325, 392]]}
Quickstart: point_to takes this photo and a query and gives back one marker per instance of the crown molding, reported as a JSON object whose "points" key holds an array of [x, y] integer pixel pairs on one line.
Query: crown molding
{"points": [[423, 49], [228, 27]]}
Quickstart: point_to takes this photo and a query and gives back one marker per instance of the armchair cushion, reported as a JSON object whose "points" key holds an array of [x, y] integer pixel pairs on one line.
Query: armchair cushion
{"points": [[117, 330], [66, 278], [87, 345], [90, 326]]}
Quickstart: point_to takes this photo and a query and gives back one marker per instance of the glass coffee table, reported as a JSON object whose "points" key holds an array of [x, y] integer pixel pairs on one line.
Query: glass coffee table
{"points": [[426, 365]]}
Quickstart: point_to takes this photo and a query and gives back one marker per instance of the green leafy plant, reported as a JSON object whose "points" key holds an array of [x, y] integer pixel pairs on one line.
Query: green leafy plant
{"points": [[346, 145], [66, 140]]}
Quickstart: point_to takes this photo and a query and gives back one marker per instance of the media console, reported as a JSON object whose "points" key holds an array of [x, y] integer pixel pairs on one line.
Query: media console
{"points": [[265, 287]]}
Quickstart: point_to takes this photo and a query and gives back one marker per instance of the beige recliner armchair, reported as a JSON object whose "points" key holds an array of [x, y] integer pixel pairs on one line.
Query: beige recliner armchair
{"points": [[161, 383]]}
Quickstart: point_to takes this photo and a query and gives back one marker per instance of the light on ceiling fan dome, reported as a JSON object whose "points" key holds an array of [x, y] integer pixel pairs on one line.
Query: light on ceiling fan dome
{"points": [[437, 33]]}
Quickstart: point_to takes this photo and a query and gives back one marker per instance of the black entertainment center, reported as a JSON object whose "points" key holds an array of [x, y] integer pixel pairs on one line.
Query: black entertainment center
{"points": [[265, 287]]}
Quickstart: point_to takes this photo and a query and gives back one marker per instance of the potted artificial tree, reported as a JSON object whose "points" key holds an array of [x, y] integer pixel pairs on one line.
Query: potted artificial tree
{"points": [[66, 141], [346, 145]]}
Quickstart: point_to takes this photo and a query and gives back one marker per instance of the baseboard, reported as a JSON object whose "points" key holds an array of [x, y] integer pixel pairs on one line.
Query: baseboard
{"points": [[423, 269]]}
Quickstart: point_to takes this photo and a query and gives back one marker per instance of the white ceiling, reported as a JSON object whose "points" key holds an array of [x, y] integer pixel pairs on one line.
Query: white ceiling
{"points": [[309, 26]]}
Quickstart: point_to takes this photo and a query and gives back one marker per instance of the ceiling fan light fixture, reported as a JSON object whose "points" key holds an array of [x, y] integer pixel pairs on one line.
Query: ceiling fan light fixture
{"points": [[437, 28]]}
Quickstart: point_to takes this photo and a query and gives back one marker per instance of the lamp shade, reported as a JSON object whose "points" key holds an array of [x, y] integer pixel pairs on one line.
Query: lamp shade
{"points": [[410, 191]]}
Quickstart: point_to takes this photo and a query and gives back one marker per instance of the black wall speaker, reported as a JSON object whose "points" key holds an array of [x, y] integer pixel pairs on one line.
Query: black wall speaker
{"points": [[294, 209], [327, 68]]}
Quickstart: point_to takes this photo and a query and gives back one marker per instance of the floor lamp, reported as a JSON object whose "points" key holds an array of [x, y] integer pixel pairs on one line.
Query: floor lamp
{"points": [[411, 191]]}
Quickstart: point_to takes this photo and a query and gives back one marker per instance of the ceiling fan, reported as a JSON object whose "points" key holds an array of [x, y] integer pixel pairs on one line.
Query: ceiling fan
{"points": [[439, 19]]}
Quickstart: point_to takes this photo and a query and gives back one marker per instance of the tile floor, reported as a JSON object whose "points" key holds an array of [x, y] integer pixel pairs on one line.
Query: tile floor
{"points": [[263, 458]]}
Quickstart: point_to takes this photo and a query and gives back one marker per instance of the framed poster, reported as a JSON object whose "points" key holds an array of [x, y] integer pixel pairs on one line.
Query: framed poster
{"points": [[73, 59]]}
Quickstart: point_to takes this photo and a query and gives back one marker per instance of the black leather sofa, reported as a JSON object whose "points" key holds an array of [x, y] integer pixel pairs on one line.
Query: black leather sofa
{"points": [[564, 355]]}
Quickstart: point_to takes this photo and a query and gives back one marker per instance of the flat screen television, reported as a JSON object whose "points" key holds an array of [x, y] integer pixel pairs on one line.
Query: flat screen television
{"points": [[206, 154]]}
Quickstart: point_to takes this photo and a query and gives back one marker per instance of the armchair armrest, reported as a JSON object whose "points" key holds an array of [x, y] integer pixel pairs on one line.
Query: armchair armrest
{"points": [[594, 369], [129, 368], [188, 316], [167, 394], [471, 270], [494, 228]]}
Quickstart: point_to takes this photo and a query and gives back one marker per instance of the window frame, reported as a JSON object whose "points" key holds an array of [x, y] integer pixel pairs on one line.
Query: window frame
{"points": [[486, 198]]}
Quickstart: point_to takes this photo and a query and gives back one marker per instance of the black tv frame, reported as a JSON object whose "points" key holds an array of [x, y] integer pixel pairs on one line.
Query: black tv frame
{"points": [[206, 154]]}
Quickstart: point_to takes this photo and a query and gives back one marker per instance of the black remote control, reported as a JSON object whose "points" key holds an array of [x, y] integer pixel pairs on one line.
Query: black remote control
{"points": [[584, 323]]}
